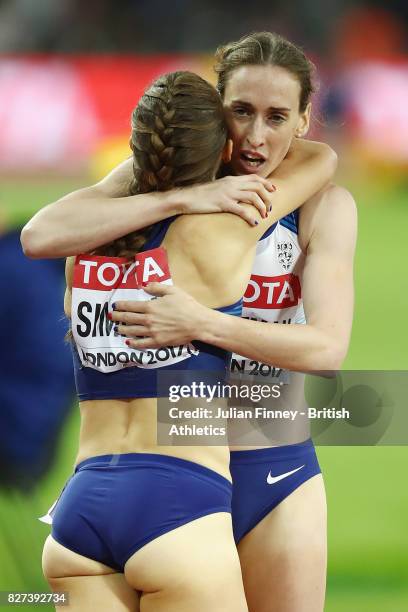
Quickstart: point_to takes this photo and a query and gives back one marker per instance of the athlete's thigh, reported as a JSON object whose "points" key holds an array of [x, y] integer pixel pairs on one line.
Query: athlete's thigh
{"points": [[90, 585], [192, 568], [284, 557]]}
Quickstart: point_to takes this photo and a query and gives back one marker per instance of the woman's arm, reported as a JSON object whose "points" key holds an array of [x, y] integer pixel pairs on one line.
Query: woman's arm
{"points": [[306, 169], [87, 218], [328, 298], [327, 289]]}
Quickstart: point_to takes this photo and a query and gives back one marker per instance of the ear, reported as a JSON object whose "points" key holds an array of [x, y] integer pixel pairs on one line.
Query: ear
{"points": [[302, 127], [227, 151]]}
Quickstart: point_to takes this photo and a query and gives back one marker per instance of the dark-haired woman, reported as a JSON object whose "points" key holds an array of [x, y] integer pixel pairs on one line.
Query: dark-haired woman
{"points": [[137, 516]]}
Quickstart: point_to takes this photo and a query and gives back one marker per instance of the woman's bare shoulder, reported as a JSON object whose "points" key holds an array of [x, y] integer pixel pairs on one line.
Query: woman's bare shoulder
{"points": [[331, 200]]}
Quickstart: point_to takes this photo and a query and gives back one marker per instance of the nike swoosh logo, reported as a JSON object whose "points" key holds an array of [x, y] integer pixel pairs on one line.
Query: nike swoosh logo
{"points": [[274, 479]]}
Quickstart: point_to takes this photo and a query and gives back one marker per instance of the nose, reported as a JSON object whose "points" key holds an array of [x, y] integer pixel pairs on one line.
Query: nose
{"points": [[256, 136]]}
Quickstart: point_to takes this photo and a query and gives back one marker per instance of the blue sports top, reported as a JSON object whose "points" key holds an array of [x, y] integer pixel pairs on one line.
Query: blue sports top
{"points": [[206, 361]]}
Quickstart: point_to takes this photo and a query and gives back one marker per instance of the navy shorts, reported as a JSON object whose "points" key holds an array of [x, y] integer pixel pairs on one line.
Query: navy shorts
{"points": [[264, 477], [115, 504]]}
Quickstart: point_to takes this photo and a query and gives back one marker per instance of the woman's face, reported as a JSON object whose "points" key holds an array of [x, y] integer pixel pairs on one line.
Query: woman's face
{"points": [[262, 110]]}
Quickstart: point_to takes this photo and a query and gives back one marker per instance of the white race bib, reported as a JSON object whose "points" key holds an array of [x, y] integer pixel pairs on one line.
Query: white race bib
{"points": [[98, 282]]}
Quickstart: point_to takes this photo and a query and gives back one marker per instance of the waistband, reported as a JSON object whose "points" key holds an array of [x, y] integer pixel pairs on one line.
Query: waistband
{"points": [[273, 453], [150, 460]]}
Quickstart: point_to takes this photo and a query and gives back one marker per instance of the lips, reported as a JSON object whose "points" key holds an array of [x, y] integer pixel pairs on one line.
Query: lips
{"points": [[249, 155], [251, 161]]}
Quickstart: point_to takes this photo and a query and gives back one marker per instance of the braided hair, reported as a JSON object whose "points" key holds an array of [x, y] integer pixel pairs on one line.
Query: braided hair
{"points": [[178, 134]]}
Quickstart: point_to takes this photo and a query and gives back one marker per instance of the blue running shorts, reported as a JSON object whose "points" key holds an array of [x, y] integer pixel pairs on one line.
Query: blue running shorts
{"points": [[262, 478], [115, 504]]}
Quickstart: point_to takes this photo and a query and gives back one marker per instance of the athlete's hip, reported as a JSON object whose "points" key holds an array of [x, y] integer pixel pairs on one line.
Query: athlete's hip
{"points": [[215, 458]]}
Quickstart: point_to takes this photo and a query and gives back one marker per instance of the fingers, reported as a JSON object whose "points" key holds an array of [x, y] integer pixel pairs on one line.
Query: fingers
{"points": [[243, 212], [266, 182], [130, 318], [251, 197], [258, 180], [262, 191], [256, 191], [159, 289], [133, 331], [264, 194], [130, 306], [144, 343], [249, 189]]}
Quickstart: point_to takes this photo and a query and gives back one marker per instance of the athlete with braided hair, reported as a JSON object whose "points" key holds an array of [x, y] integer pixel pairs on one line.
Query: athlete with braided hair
{"points": [[266, 84], [279, 505], [136, 516]]}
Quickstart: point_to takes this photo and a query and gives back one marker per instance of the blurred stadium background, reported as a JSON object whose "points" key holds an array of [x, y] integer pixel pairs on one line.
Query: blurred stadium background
{"points": [[70, 73]]}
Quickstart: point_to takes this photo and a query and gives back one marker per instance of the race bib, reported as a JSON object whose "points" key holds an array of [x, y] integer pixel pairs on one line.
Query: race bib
{"points": [[100, 281]]}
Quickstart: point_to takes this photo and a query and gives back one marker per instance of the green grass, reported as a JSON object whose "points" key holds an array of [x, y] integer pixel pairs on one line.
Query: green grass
{"points": [[367, 501], [366, 486], [380, 333], [20, 200], [366, 601], [21, 534]]}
